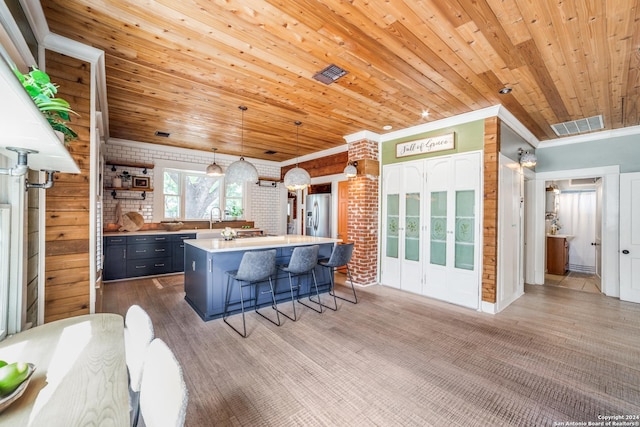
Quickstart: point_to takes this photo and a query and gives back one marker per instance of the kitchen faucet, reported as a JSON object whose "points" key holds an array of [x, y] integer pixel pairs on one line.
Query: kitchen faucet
{"points": [[211, 216]]}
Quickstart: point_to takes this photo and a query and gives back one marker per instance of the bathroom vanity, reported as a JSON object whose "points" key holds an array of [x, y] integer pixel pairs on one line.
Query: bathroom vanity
{"points": [[557, 254]]}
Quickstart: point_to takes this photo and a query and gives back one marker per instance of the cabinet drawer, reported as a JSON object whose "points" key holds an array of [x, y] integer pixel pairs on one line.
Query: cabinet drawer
{"points": [[182, 237], [115, 240], [150, 238], [149, 250], [147, 267]]}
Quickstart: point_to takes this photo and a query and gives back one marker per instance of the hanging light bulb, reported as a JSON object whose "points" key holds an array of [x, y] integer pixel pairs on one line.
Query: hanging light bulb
{"points": [[213, 169], [297, 178], [242, 170]]}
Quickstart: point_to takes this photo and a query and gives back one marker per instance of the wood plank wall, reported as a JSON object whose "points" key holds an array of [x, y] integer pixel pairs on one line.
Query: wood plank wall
{"points": [[67, 257], [33, 247], [328, 165], [490, 220]]}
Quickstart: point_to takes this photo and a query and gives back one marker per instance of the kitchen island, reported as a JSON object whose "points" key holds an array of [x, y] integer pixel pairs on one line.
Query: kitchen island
{"points": [[207, 260]]}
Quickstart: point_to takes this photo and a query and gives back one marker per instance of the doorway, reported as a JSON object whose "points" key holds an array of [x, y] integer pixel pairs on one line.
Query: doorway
{"points": [[608, 201], [573, 214]]}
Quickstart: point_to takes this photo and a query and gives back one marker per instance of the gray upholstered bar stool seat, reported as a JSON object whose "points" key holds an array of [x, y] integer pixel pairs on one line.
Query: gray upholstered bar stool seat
{"points": [[303, 261], [256, 267], [340, 257]]}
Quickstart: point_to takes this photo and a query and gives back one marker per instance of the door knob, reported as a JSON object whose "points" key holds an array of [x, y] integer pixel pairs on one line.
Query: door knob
{"points": [[626, 252]]}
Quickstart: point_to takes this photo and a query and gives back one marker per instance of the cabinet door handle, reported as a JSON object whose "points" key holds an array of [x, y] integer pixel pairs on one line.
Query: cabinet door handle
{"points": [[143, 251], [158, 265], [160, 238], [626, 252], [160, 250], [141, 266]]}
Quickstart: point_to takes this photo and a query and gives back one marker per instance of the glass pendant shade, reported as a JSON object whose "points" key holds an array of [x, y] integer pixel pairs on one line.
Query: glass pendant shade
{"points": [[350, 171], [528, 160], [297, 179], [214, 170], [240, 171]]}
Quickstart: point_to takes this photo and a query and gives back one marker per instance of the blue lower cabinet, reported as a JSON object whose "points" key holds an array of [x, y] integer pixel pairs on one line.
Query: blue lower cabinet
{"points": [[143, 255], [205, 280]]}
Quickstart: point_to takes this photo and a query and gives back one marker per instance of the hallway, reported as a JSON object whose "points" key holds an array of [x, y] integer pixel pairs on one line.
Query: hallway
{"points": [[573, 280]]}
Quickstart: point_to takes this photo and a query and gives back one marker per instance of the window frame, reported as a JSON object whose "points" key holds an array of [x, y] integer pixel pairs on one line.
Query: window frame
{"points": [[189, 168]]}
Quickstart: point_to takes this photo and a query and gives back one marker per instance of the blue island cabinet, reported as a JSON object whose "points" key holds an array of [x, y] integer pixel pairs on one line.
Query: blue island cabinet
{"points": [[206, 261]]}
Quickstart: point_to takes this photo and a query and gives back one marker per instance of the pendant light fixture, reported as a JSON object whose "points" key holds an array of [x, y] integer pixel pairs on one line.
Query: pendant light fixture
{"points": [[242, 170], [213, 169], [297, 178]]}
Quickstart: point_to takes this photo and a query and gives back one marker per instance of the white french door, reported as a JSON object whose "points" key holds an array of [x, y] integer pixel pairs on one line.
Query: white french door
{"points": [[452, 246], [402, 224], [630, 237]]}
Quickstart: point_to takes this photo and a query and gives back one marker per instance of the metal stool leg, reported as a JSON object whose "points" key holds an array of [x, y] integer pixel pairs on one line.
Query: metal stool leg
{"points": [[315, 283], [331, 292], [293, 302], [274, 304], [226, 308], [353, 289]]}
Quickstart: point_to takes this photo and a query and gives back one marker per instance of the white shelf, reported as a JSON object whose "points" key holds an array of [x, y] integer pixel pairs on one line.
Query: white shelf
{"points": [[23, 126]]}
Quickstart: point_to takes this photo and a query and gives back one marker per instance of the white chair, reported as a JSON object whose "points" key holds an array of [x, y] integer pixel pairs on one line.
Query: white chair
{"points": [[163, 392], [138, 333]]}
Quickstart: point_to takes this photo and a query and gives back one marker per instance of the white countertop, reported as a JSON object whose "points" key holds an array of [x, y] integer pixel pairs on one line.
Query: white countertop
{"points": [[252, 243], [561, 236], [183, 231]]}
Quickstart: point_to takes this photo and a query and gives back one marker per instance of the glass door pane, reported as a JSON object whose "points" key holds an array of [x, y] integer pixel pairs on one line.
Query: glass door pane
{"points": [[393, 224], [412, 227], [465, 226], [438, 228]]}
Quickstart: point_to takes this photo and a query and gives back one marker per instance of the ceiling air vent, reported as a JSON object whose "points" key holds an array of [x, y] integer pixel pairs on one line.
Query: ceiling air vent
{"points": [[578, 126], [330, 74]]}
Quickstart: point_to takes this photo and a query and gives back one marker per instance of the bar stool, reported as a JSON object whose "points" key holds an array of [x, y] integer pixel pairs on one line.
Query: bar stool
{"points": [[340, 257], [255, 267], [303, 261]]}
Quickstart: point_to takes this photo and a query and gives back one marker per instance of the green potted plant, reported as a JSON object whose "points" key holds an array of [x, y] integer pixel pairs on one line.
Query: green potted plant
{"points": [[56, 110], [235, 212]]}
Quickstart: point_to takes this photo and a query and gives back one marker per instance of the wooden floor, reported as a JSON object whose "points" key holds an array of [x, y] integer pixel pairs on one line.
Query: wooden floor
{"points": [[395, 359]]}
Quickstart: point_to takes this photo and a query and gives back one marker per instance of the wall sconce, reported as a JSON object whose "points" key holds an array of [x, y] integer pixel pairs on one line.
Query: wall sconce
{"points": [[527, 159], [351, 170]]}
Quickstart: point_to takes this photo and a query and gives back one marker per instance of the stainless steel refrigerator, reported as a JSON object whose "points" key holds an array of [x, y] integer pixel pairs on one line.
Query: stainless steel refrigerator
{"points": [[318, 216]]}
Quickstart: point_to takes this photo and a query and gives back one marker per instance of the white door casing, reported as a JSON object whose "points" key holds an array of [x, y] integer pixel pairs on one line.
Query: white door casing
{"points": [[630, 237], [510, 278]]}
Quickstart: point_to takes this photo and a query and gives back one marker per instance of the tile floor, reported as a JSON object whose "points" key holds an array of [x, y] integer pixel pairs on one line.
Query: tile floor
{"points": [[573, 280]]}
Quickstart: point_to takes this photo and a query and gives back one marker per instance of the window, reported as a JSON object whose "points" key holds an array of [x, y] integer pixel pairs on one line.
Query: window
{"points": [[189, 195]]}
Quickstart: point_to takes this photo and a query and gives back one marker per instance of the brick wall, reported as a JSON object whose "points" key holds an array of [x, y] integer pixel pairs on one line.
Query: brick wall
{"points": [[363, 215], [265, 201]]}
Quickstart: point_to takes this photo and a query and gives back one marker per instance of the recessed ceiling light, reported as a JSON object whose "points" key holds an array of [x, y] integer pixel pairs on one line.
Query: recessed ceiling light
{"points": [[425, 114], [505, 90], [387, 127]]}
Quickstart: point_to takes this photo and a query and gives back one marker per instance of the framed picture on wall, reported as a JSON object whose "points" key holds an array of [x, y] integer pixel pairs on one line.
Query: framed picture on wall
{"points": [[142, 182]]}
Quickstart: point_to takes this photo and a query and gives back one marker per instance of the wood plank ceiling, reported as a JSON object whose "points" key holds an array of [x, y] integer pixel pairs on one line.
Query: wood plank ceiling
{"points": [[185, 66]]}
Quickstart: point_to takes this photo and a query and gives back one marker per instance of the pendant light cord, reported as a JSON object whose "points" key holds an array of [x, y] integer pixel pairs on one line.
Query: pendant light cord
{"points": [[297, 123], [243, 109]]}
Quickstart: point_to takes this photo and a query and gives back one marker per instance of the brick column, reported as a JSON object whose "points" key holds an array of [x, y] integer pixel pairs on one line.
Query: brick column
{"points": [[362, 218]]}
